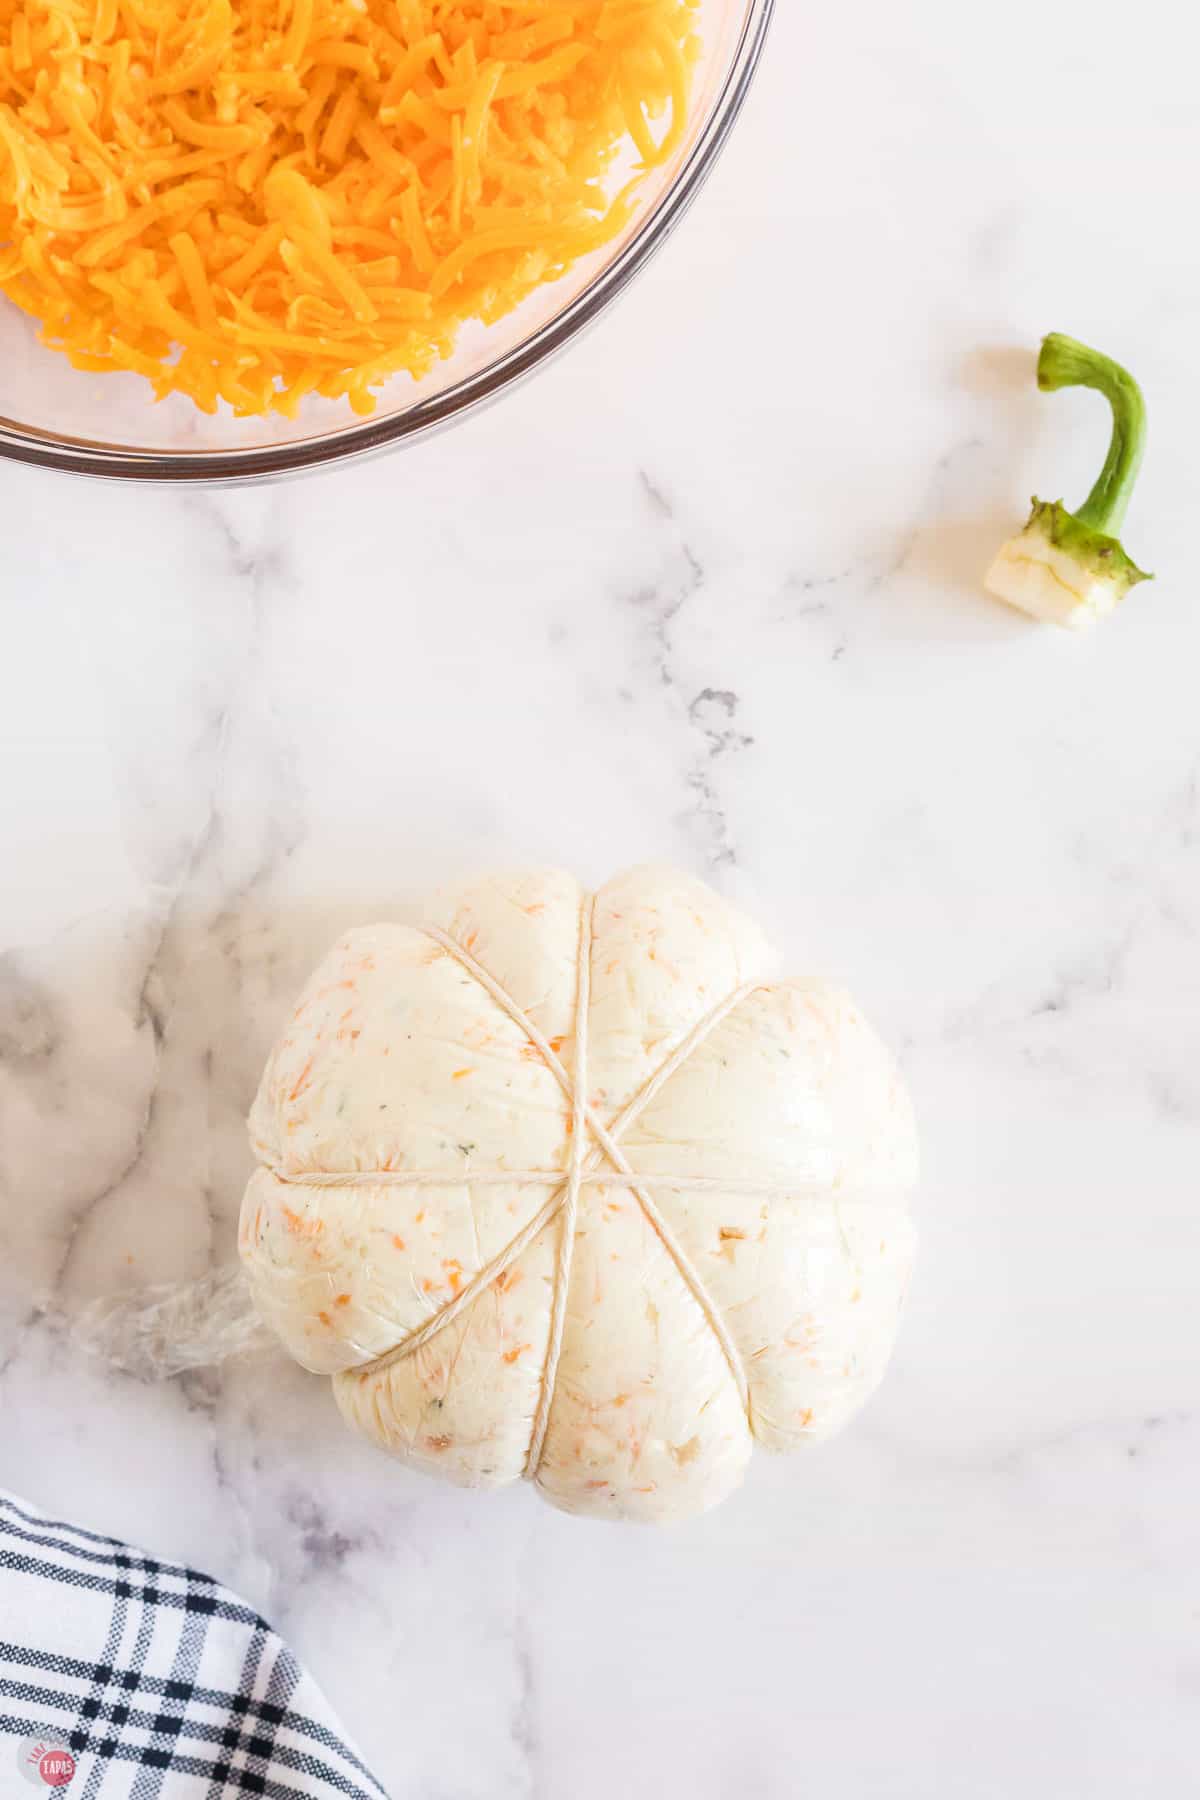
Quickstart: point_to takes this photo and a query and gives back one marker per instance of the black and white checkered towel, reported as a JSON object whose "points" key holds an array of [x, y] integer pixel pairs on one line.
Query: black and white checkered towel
{"points": [[126, 1678]]}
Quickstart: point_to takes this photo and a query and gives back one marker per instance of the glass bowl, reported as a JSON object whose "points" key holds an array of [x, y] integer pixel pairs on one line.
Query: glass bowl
{"points": [[56, 417]]}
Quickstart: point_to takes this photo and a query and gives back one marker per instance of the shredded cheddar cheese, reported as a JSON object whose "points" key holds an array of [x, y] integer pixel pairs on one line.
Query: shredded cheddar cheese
{"points": [[251, 200]]}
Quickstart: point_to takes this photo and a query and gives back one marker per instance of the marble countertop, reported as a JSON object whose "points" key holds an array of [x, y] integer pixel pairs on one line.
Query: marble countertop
{"points": [[707, 589]]}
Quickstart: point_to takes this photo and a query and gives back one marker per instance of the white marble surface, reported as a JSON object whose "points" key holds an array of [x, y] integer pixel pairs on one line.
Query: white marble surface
{"points": [[707, 589]]}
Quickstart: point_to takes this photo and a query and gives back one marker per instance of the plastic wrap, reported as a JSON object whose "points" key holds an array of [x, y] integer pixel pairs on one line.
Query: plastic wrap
{"points": [[158, 1332], [568, 1187]]}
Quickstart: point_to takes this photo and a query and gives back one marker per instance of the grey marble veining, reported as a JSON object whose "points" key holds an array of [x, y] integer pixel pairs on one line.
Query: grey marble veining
{"points": [[709, 590]]}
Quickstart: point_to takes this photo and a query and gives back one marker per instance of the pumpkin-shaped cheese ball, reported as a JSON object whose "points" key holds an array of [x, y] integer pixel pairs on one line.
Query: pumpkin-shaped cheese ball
{"points": [[563, 1186]]}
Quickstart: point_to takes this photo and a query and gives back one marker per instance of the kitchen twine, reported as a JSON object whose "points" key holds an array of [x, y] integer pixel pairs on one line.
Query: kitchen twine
{"points": [[581, 1170]]}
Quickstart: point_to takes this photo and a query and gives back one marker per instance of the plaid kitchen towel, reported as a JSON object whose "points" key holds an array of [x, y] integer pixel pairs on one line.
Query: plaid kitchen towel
{"points": [[126, 1678]]}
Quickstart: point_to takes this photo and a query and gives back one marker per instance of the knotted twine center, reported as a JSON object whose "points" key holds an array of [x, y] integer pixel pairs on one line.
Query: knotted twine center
{"points": [[585, 1167]]}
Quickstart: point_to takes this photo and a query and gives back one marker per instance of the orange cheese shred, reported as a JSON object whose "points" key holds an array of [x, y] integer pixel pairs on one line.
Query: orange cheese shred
{"points": [[250, 201]]}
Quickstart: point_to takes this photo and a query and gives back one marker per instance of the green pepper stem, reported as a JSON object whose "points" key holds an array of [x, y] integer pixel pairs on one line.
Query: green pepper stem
{"points": [[1064, 362]]}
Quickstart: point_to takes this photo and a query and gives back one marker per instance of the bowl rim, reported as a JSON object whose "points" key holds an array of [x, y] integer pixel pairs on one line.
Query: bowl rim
{"points": [[372, 437]]}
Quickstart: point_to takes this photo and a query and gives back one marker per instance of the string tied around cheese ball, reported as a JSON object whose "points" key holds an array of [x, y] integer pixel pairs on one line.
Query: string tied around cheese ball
{"points": [[581, 1169], [159, 1332], [570, 1207]]}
